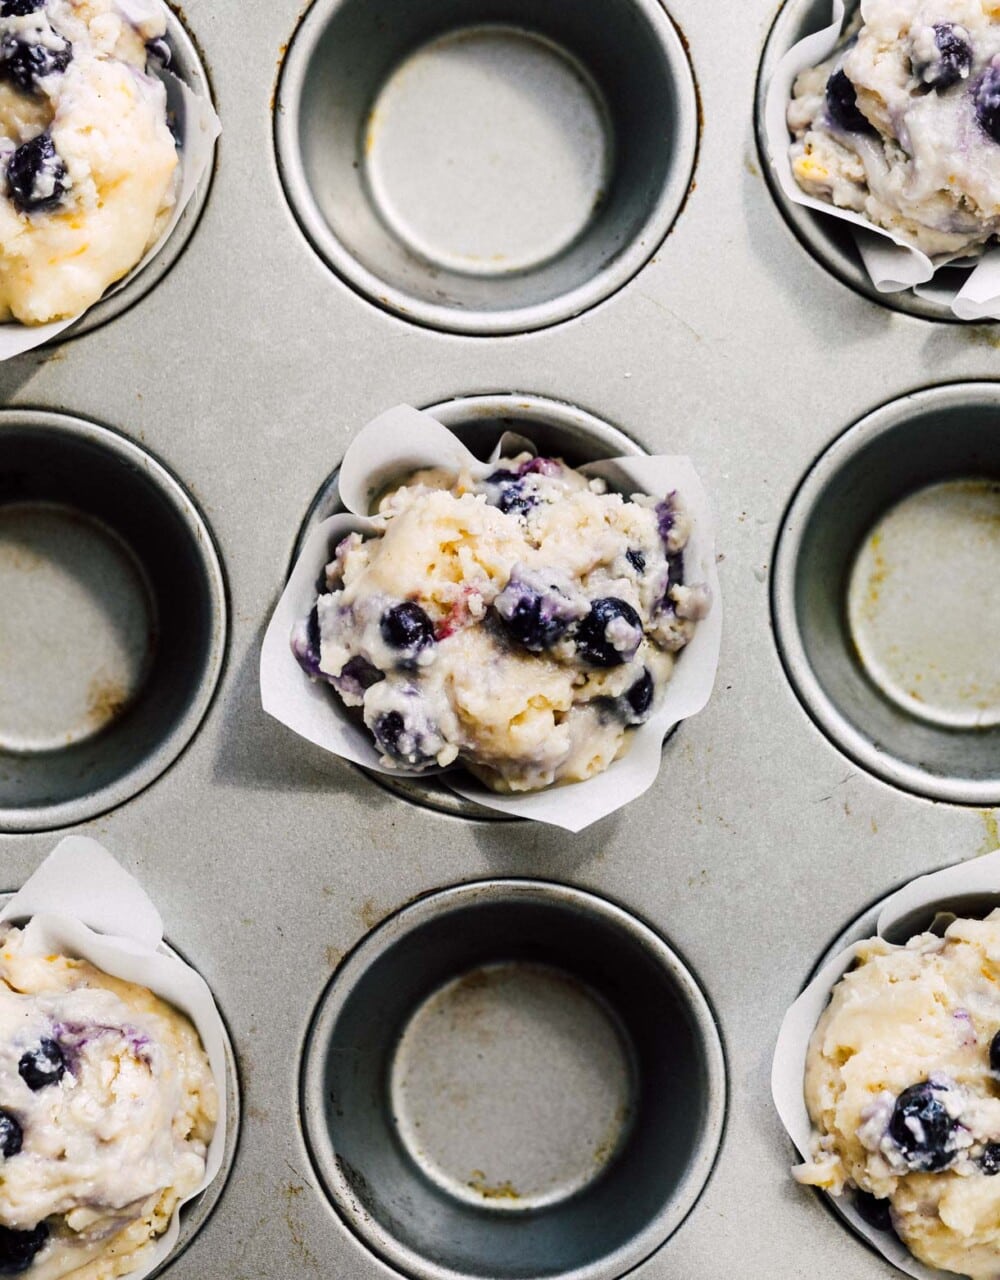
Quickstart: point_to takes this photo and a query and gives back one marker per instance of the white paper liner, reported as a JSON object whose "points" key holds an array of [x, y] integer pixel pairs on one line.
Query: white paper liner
{"points": [[201, 128], [396, 444], [83, 904], [930, 892], [893, 265]]}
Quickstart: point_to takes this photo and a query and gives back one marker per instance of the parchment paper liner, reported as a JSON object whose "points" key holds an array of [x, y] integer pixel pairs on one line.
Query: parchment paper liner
{"points": [[82, 903], [393, 446], [200, 129], [928, 893], [894, 265]]}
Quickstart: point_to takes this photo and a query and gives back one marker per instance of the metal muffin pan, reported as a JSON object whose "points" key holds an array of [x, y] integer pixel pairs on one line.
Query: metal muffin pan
{"points": [[246, 371]]}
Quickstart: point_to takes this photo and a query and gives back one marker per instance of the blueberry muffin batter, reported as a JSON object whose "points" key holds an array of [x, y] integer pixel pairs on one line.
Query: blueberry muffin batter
{"points": [[107, 1106], [903, 1089], [902, 123], [520, 624], [88, 162]]}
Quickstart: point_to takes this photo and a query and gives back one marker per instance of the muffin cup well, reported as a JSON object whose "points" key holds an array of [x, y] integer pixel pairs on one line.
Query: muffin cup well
{"points": [[936, 435], [197, 126], [969, 889], [871, 259], [393, 446], [548, 191], [80, 902], [465, 982], [94, 530]]}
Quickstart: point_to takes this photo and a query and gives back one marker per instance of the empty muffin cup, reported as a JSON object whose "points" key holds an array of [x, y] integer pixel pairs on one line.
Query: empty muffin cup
{"points": [[486, 166], [557, 430], [884, 612], [114, 632], [542, 1093], [830, 240]]}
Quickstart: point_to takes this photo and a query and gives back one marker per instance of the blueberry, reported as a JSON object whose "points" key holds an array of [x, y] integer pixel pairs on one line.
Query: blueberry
{"points": [[842, 104], [535, 618], [593, 641], [986, 100], [401, 740], [25, 64], [637, 560], [955, 57], [360, 671], [11, 1135], [922, 1129], [42, 1066], [36, 175], [20, 8], [675, 570], [995, 1054], [639, 698], [873, 1211], [306, 645], [407, 627], [665, 519], [511, 496], [989, 1161], [18, 1248]]}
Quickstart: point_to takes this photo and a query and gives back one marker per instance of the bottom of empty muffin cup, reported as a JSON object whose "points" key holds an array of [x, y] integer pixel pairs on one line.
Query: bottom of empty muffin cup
{"points": [[112, 1052], [504, 613], [883, 611], [885, 1074], [542, 1093], [115, 626], [896, 220]]}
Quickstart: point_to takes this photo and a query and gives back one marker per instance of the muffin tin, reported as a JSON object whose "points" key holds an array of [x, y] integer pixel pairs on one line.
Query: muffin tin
{"points": [[245, 372]]}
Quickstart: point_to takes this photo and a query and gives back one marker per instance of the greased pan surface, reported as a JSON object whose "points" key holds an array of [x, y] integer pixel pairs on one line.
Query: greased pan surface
{"points": [[246, 371]]}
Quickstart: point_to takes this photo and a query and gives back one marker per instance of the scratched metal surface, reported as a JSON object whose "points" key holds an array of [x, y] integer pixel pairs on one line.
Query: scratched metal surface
{"points": [[247, 370]]}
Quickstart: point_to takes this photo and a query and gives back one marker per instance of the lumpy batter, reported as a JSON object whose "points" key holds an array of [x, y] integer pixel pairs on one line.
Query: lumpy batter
{"points": [[902, 124], [903, 1088], [107, 1106], [520, 624], [89, 163]]}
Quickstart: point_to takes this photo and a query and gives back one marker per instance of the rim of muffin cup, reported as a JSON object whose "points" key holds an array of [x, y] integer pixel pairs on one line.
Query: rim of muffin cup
{"points": [[642, 1194], [828, 240]]}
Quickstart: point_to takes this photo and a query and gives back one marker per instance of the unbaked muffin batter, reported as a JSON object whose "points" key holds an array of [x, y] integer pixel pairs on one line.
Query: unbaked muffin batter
{"points": [[903, 1088], [902, 124], [89, 163], [107, 1106], [519, 623]]}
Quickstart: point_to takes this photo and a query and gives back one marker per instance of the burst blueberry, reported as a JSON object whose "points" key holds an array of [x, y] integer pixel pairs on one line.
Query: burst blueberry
{"points": [[842, 104], [19, 1248], [36, 175], [922, 1128], [407, 627], [873, 1211], [954, 60], [511, 496], [989, 1160], [535, 617], [986, 100], [639, 699], [20, 8], [637, 560], [610, 634], [42, 1066], [358, 674], [11, 1135], [25, 64], [306, 644], [401, 740]]}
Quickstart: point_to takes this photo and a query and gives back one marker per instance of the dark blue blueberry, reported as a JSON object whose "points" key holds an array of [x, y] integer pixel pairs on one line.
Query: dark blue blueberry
{"points": [[407, 627], [20, 8], [995, 1054], [922, 1129], [25, 64], [535, 619], [11, 1135], [640, 698], [360, 671], [954, 61], [306, 646], [157, 50], [42, 1066], [665, 518], [986, 100], [675, 570], [592, 639], [989, 1161], [637, 560], [18, 1248], [873, 1211], [842, 104], [511, 494], [400, 740], [36, 175]]}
